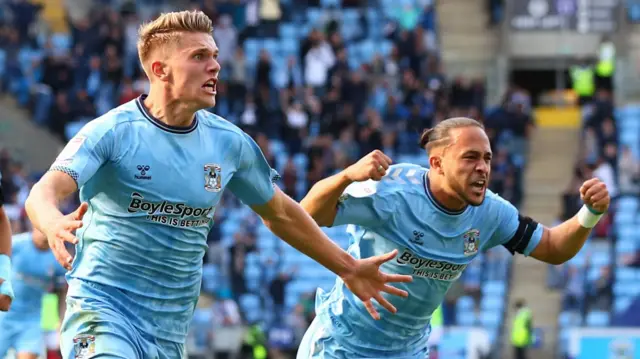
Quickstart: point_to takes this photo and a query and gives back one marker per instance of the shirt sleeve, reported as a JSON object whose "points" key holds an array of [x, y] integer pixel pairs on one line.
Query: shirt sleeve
{"points": [[515, 232], [253, 182], [364, 204], [86, 152]]}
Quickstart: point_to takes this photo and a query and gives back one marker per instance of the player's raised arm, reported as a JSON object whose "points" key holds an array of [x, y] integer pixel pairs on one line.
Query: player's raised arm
{"points": [[6, 291], [74, 166], [322, 200], [252, 183], [558, 244], [564, 241]]}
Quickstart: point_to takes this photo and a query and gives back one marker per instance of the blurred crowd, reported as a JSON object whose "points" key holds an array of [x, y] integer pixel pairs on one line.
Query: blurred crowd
{"points": [[319, 107]]}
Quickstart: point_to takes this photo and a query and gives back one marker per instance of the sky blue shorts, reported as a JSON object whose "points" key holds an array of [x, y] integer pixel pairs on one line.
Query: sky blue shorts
{"points": [[318, 343], [23, 337], [93, 327]]}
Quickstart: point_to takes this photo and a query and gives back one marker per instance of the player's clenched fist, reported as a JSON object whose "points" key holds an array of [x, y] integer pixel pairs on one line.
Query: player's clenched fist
{"points": [[372, 166], [61, 231], [595, 195]]}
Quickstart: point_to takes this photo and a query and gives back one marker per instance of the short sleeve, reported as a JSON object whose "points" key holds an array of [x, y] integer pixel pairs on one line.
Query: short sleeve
{"points": [[86, 152], [364, 204], [515, 232], [1, 193], [253, 182]]}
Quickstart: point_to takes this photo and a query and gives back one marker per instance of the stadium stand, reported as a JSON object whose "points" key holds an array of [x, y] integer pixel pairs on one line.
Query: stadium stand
{"points": [[317, 86], [600, 283]]}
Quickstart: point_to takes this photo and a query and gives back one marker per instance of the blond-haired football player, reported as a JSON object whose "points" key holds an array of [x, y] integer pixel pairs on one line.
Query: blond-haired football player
{"points": [[151, 173]]}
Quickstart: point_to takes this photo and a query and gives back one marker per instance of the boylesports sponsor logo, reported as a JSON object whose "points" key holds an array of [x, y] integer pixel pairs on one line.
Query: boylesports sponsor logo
{"points": [[429, 268], [173, 214]]}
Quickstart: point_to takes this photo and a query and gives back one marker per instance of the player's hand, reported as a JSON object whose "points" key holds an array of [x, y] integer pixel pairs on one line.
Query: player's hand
{"points": [[372, 166], [5, 300], [595, 195], [61, 232], [367, 282]]}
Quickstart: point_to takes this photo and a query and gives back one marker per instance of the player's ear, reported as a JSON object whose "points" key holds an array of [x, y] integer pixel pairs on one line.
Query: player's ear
{"points": [[159, 70], [435, 163]]}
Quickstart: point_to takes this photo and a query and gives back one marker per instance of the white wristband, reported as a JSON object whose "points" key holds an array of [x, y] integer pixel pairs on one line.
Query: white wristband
{"points": [[587, 218]]}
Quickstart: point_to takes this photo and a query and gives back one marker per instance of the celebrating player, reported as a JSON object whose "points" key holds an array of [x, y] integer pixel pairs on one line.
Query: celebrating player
{"points": [[6, 291], [150, 174], [439, 219], [35, 272]]}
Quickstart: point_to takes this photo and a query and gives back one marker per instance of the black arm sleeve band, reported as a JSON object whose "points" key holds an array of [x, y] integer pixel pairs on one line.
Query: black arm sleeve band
{"points": [[520, 240]]}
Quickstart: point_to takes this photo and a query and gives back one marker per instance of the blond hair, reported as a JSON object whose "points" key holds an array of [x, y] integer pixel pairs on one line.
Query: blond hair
{"points": [[166, 29], [439, 135]]}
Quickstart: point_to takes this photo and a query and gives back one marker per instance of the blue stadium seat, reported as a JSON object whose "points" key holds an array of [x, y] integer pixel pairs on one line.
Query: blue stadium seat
{"points": [[289, 46], [314, 16], [569, 319], [624, 274], [288, 31], [61, 41], [466, 319], [490, 319], [210, 278], [493, 288], [251, 307], [229, 228], [291, 299], [465, 303], [330, 3], [3, 61], [490, 302], [622, 303], [599, 259], [597, 319]]}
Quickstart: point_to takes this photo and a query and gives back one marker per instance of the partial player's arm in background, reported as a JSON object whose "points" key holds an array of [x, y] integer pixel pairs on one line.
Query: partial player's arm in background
{"points": [[75, 165], [6, 291], [322, 200], [558, 244], [253, 184]]}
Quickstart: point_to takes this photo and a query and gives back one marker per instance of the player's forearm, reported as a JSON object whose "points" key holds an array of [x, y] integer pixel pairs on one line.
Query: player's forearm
{"points": [[322, 200], [5, 233], [291, 223], [566, 240], [42, 206]]}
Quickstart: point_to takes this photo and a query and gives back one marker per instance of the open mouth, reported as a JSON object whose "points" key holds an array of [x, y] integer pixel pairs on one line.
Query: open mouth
{"points": [[479, 185], [211, 85]]}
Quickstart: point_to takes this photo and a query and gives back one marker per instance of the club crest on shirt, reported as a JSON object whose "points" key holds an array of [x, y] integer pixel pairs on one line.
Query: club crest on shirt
{"points": [[471, 242], [212, 177], [84, 346]]}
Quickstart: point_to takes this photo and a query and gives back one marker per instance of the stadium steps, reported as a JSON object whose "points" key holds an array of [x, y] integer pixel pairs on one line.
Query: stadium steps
{"points": [[553, 152], [34, 146], [627, 72], [467, 45]]}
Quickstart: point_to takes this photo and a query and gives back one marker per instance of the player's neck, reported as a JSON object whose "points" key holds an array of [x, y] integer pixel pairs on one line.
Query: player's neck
{"points": [[441, 195], [168, 111]]}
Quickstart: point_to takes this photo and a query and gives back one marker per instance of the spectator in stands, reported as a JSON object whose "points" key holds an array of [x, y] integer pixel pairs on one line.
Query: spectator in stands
{"points": [[603, 170], [226, 312], [277, 289], [244, 243], [601, 291], [628, 171], [573, 296]]}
